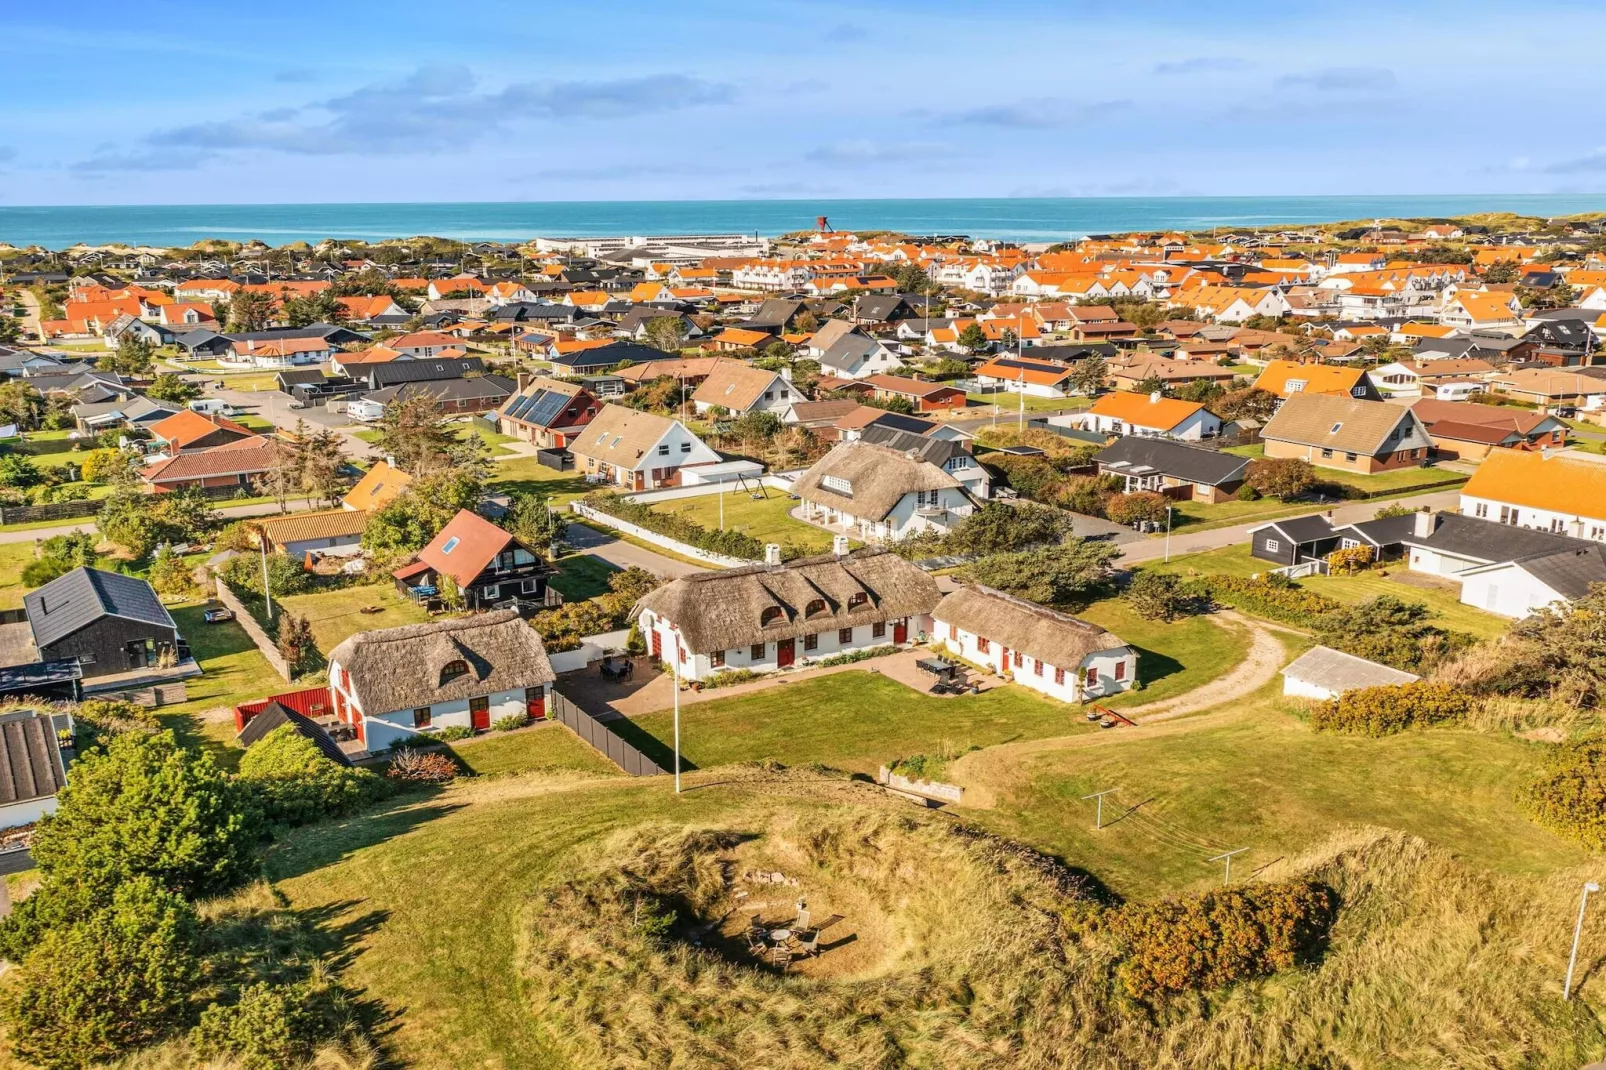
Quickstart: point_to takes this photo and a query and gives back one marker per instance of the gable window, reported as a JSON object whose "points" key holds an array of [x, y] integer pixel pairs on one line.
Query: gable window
{"points": [[685, 447], [769, 615], [857, 599], [452, 670], [756, 652], [838, 485], [663, 449], [421, 717], [816, 605]]}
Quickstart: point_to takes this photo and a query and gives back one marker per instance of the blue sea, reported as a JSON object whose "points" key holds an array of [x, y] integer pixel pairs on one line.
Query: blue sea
{"points": [[1019, 219]]}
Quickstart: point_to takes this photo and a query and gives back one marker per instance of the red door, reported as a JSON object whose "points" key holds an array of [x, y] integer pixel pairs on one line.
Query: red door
{"points": [[479, 712], [657, 646], [535, 702], [900, 631], [784, 652]]}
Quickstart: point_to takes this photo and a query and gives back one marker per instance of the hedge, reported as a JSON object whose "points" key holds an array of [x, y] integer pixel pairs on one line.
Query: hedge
{"points": [[1287, 603], [1382, 711], [683, 529], [1569, 797]]}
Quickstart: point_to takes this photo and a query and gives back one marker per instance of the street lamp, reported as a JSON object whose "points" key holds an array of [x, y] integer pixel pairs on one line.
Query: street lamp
{"points": [[1168, 510], [1578, 931]]}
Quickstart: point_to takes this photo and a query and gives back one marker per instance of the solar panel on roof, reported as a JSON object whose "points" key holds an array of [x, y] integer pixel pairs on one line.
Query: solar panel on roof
{"points": [[547, 405]]}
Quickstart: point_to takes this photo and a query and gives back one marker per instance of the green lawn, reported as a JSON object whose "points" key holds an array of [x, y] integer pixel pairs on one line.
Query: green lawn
{"points": [[765, 519], [235, 672], [1172, 658], [544, 748], [334, 615], [1201, 516], [1236, 561], [850, 720], [1253, 450], [582, 576], [1399, 478], [525, 475], [1010, 402], [14, 557], [1265, 781], [252, 422]]}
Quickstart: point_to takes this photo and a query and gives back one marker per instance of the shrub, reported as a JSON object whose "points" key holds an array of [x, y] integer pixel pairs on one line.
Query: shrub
{"points": [[1143, 505], [422, 767], [1348, 562], [117, 979], [1201, 942], [1285, 602], [849, 657], [453, 733], [295, 784], [1280, 477], [1382, 711], [1569, 796], [1159, 596], [271, 1026], [170, 575], [511, 722], [728, 678]]}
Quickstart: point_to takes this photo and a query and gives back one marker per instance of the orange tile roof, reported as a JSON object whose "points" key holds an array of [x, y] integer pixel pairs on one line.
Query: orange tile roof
{"points": [[378, 487], [1042, 373], [1318, 378], [1143, 410], [188, 426], [1558, 482]]}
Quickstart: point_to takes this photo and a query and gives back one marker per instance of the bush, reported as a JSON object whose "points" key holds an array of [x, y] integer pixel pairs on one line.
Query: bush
{"points": [[1285, 602], [295, 784], [1143, 505], [1569, 796], [453, 733], [422, 767], [1350, 561], [116, 979], [1280, 477], [1382, 711], [1202, 942], [849, 657], [285, 576], [511, 722], [271, 1026], [1159, 596], [728, 678]]}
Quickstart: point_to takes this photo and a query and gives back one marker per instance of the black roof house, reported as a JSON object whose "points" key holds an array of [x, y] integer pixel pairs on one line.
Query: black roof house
{"points": [[275, 715], [396, 372], [1134, 456], [110, 622]]}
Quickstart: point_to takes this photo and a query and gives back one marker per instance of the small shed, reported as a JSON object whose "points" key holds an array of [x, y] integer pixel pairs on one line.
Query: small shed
{"points": [[32, 766], [1324, 673], [276, 715]]}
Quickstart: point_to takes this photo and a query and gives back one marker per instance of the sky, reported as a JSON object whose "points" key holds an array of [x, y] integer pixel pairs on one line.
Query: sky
{"points": [[169, 102]]}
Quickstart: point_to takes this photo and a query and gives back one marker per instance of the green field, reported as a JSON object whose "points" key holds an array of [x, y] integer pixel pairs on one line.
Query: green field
{"points": [[14, 557], [766, 519], [1010, 403], [335, 615], [582, 576], [235, 672], [524, 475]]}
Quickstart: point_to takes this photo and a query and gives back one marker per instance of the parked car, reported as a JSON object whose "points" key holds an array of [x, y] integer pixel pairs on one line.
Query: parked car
{"points": [[217, 615]]}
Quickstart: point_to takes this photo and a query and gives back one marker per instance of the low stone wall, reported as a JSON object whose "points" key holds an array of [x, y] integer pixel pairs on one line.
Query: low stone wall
{"points": [[932, 790], [245, 620], [672, 545]]}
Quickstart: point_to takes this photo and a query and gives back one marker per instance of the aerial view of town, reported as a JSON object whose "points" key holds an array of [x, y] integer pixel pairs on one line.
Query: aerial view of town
{"points": [[676, 627]]}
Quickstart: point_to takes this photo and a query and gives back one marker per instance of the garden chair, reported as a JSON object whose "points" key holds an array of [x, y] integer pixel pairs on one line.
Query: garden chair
{"points": [[809, 945], [802, 921]]}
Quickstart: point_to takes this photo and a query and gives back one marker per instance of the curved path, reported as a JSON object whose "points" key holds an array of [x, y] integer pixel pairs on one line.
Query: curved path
{"points": [[992, 772]]}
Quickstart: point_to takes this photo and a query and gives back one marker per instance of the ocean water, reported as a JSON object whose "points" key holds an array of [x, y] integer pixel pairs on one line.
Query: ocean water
{"points": [[1019, 219]]}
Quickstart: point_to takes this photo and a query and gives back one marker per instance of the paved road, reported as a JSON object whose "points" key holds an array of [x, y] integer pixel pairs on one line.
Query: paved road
{"points": [[1153, 548], [275, 408], [624, 554], [30, 316], [230, 512]]}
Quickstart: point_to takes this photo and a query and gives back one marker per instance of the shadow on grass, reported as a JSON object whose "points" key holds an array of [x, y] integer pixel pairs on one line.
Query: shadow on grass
{"points": [[650, 745], [1154, 666], [313, 847]]}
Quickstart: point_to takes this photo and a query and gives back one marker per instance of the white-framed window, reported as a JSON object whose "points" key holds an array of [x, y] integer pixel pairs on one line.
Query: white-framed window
{"points": [[1481, 510], [1273, 546]]}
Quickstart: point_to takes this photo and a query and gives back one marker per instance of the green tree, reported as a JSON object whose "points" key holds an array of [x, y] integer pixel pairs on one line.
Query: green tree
{"points": [[1280, 477], [169, 386], [415, 434], [1050, 576], [1139, 506], [1150, 384], [973, 338], [1089, 374], [120, 978], [412, 518], [296, 644], [322, 307], [998, 528], [1246, 403], [910, 277], [133, 357], [251, 310], [535, 523], [1384, 629], [667, 333], [1157, 596], [17, 470], [169, 573], [110, 466], [323, 462], [21, 404], [1501, 271], [10, 330], [138, 522]]}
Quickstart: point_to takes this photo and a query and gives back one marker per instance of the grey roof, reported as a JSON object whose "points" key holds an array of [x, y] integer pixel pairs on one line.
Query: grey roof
{"points": [[31, 765], [1488, 541], [1335, 670], [609, 355], [394, 372], [1570, 573], [936, 451], [83, 596], [848, 350], [1302, 529], [1132, 455], [1387, 531], [276, 715], [495, 387]]}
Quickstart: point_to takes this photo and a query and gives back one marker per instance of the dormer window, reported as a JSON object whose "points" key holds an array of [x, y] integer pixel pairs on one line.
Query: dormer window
{"points": [[770, 615], [816, 605], [452, 670], [857, 599]]}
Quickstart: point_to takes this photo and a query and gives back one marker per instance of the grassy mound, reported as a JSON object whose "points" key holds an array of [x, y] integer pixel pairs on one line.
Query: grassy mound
{"points": [[972, 953]]}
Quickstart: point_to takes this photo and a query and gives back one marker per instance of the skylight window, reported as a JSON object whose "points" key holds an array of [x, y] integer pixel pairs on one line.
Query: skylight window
{"points": [[1334, 429], [451, 544]]}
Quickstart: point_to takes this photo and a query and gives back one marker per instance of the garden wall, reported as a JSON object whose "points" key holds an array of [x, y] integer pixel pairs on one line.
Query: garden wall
{"points": [[673, 545], [253, 629]]}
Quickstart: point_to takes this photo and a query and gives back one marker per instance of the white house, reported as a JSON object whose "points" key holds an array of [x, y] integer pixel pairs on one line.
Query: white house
{"points": [[1324, 673], [30, 753], [877, 492], [1559, 493], [1504, 569], [398, 683], [773, 616], [739, 388], [857, 356], [1124, 413], [1036, 647], [638, 450]]}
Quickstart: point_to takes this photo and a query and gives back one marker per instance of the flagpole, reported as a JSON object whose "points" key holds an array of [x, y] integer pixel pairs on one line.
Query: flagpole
{"points": [[675, 667]]}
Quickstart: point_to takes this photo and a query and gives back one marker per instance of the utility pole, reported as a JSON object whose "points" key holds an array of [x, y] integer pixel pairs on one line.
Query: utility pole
{"points": [[675, 669], [1578, 931], [1226, 878], [1098, 817], [1168, 511]]}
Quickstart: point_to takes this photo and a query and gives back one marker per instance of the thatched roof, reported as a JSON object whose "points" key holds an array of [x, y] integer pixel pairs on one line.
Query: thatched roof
{"points": [[878, 477], [400, 668], [723, 610], [1059, 639]]}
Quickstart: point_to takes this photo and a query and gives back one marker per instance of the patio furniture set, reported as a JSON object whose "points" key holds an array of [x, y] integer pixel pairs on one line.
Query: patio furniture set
{"points": [[950, 678]]}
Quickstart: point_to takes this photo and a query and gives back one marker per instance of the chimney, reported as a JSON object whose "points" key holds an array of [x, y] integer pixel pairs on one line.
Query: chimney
{"points": [[772, 553], [839, 545], [1154, 398], [524, 380], [1422, 523]]}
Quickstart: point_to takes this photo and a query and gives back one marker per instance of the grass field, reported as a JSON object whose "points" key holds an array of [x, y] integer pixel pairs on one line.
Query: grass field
{"points": [[582, 576], [14, 557], [1172, 658], [1261, 779], [335, 615], [1010, 402], [766, 519], [542, 748], [1236, 561], [235, 672], [527, 476]]}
